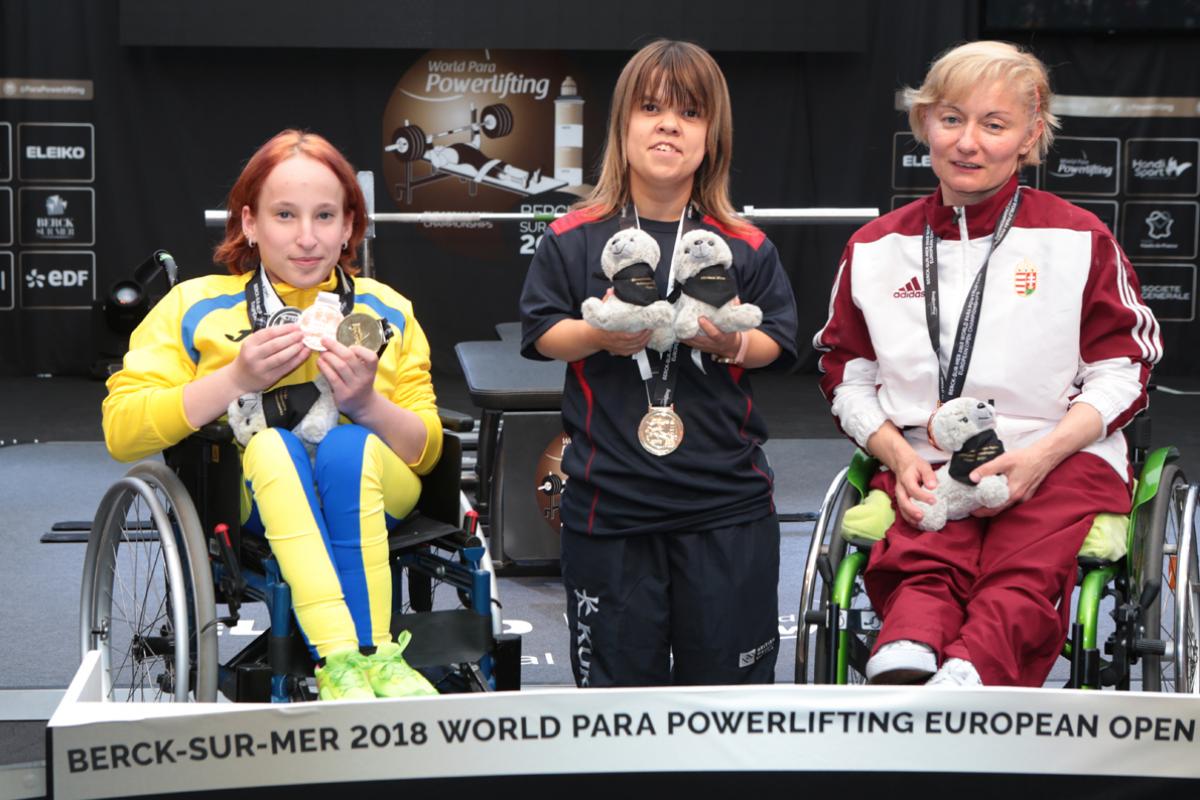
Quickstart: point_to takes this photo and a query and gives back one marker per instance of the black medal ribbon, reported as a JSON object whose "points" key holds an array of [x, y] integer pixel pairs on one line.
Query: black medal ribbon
{"points": [[950, 382], [712, 285], [256, 300], [286, 406], [979, 449], [634, 284], [661, 387]]}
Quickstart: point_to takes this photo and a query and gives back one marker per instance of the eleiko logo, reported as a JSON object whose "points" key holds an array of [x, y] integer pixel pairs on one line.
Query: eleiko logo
{"points": [[910, 290], [55, 153]]}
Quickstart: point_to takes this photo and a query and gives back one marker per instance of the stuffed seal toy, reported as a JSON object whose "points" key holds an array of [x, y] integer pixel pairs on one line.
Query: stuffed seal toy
{"points": [[706, 288], [966, 428], [628, 261], [307, 409]]}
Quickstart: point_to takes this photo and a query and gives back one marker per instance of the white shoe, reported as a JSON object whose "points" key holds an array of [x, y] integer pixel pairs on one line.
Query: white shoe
{"points": [[902, 661], [956, 672]]}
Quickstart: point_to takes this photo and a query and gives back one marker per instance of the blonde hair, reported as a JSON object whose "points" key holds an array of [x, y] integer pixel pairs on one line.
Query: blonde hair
{"points": [[959, 70], [683, 75]]}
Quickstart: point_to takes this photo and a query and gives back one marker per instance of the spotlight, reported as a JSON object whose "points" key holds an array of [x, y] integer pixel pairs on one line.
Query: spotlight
{"points": [[128, 299]]}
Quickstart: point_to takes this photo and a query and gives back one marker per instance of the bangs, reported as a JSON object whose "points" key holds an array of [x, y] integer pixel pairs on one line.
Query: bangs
{"points": [[676, 81]]}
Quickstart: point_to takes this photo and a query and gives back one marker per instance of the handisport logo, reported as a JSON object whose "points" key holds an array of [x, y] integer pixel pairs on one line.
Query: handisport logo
{"points": [[912, 289]]}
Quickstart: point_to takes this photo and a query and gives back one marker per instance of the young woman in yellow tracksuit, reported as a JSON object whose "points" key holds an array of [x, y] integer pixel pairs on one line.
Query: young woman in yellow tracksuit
{"points": [[296, 218]]}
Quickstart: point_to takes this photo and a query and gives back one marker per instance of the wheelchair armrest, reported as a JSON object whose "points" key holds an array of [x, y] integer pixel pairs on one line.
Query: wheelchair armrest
{"points": [[456, 421], [215, 432]]}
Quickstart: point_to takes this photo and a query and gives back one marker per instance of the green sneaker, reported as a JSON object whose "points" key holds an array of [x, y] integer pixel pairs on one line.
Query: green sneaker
{"points": [[344, 677], [391, 676]]}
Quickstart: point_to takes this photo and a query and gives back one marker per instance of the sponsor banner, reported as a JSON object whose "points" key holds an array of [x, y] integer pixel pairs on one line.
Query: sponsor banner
{"points": [[8, 294], [56, 151], [58, 279], [45, 89], [1169, 290], [904, 199], [6, 216], [1162, 229], [1083, 165], [57, 216], [912, 167], [6, 151], [101, 749], [1066, 105], [1106, 210], [487, 130], [1163, 167]]}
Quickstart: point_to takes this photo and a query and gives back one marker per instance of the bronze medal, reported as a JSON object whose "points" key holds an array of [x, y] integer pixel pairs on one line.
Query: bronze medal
{"points": [[361, 329], [661, 430]]}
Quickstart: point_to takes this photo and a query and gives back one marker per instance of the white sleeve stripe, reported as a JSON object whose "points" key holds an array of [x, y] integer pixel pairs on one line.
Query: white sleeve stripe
{"points": [[1145, 332], [837, 281]]}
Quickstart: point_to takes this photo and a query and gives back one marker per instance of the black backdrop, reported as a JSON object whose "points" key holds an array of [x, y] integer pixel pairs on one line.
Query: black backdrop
{"points": [[182, 97]]}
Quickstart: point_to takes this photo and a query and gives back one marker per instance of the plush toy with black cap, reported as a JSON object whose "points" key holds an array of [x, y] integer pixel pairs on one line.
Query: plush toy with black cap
{"points": [[629, 259], [306, 409], [705, 287], [965, 428]]}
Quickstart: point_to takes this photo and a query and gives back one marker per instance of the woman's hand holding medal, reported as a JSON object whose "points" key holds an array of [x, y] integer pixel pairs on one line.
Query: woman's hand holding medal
{"points": [[267, 355], [351, 374]]}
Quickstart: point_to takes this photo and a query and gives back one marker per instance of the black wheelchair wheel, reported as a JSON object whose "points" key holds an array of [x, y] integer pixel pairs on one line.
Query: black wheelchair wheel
{"points": [[815, 590], [147, 595], [1167, 540]]}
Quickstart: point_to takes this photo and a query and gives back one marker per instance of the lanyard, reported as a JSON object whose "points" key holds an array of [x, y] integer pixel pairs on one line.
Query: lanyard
{"points": [[262, 301], [950, 383], [642, 357]]}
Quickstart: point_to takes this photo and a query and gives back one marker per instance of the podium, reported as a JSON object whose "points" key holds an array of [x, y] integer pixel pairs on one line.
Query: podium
{"points": [[520, 443]]}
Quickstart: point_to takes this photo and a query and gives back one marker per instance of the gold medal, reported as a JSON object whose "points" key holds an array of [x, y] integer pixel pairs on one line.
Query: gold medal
{"points": [[361, 329], [661, 430]]}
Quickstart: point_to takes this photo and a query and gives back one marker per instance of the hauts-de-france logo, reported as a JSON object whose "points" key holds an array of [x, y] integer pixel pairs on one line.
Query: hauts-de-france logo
{"points": [[1025, 278]]}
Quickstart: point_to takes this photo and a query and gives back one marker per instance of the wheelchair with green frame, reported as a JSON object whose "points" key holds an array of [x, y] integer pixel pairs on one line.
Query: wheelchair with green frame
{"points": [[166, 547], [1145, 576]]}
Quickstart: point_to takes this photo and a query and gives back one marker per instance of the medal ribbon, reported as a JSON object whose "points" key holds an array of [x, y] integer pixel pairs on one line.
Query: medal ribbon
{"points": [[262, 301], [950, 383], [660, 389]]}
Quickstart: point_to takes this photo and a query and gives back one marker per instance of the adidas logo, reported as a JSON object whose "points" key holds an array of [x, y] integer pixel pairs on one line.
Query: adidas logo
{"points": [[910, 289]]}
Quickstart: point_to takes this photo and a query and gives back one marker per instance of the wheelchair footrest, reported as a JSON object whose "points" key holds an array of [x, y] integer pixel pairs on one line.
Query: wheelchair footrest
{"points": [[440, 638]]}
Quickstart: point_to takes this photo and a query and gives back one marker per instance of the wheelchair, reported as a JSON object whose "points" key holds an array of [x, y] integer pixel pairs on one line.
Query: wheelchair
{"points": [[166, 547], [1152, 593]]}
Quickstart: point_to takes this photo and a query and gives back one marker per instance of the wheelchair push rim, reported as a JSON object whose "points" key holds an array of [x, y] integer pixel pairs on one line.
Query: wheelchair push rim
{"points": [[1170, 559], [147, 598]]}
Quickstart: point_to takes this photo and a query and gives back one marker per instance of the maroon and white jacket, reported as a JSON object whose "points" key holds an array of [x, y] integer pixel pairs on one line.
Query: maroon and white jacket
{"points": [[1061, 322]]}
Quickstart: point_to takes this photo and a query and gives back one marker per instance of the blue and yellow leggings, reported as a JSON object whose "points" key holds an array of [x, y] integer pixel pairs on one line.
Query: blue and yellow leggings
{"points": [[327, 524]]}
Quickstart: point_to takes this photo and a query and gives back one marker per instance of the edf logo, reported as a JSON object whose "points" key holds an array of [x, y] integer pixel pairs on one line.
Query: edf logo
{"points": [[58, 280], [57, 277]]}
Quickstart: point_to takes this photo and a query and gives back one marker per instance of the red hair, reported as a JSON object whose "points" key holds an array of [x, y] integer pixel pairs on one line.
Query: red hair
{"points": [[235, 252]]}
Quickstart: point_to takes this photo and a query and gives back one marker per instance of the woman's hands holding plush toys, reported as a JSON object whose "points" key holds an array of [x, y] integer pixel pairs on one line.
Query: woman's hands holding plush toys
{"points": [[713, 340], [915, 478]]}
